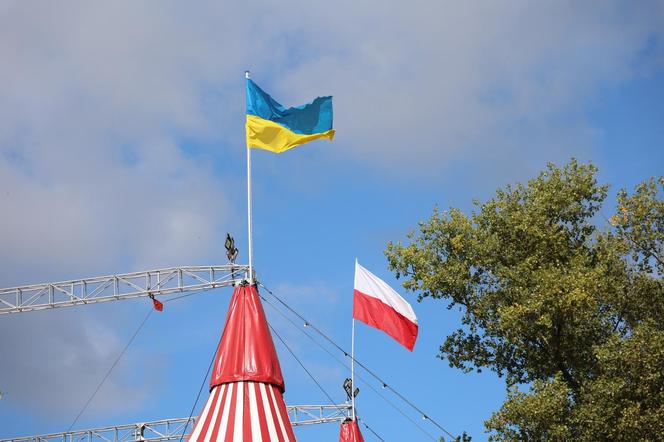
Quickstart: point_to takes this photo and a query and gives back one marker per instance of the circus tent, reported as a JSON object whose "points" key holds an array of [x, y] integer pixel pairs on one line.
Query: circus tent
{"points": [[246, 387]]}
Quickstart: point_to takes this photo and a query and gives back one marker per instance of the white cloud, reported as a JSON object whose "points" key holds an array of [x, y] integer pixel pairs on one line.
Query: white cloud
{"points": [[92, 109], [95, 100], [424, 82], [51, 363]]}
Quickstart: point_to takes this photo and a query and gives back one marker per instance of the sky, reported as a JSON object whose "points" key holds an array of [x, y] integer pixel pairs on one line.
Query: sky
{"points": [[122, 149]]}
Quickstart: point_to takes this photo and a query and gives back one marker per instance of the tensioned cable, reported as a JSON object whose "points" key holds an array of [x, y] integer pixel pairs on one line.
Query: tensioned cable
{"points": [[311, 375], [108, 373], [200, 390], [369, 371], [290, 351], [369, 428], [287, 347], [343, 364], [320, 387], [124, 350], [329, 397], [198, 396], [115, 363], [393, 405]]}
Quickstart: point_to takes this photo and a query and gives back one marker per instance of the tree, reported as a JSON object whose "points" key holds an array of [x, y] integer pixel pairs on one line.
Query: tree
{"points": [[463, 438], [571, 314]]}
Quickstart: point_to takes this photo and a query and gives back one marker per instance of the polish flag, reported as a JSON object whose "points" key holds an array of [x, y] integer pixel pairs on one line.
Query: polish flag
{"points": [[376, 304]]}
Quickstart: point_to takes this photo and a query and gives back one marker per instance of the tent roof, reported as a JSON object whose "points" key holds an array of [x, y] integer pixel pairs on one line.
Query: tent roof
{"points": [[246, 351], [246, 402], [244, 411], [350, 432]]}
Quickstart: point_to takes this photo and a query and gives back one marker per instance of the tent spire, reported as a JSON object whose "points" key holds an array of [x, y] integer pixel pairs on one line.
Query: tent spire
{"points": [[350, 432], [246, 386]]}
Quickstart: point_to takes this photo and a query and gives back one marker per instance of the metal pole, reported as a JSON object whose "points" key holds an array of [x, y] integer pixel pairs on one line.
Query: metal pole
{"points": [[352, 368], [249, 223], [352, 353]]}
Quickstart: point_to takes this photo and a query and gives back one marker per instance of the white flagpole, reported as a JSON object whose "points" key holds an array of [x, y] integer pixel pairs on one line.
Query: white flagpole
{"points": [[352, 369], [249, 220], [352, 358]]}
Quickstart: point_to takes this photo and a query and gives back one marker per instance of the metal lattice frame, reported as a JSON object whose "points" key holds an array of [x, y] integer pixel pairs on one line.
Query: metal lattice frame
{"points": [[115, 287], [135, 285], [317, 414], [168, 429], [172, 429]]}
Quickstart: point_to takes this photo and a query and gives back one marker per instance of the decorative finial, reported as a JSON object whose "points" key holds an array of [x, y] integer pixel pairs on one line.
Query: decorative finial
{"points": [[247, 74]]}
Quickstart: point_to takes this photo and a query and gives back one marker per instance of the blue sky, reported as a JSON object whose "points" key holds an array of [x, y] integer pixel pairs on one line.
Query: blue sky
{"points": [[121, 148]]}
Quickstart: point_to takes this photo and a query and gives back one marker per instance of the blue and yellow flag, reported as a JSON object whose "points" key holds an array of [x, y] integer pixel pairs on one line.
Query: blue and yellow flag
{"points": [[272, 127]]}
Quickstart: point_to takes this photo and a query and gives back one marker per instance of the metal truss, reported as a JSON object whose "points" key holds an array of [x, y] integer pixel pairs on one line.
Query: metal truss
{"points": [[168, 429], [172, 429], [116, 287], [318, 414]]}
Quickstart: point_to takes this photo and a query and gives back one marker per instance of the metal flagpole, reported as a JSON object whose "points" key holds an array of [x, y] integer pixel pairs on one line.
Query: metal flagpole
{"points": [[249, 223], [352, 368], [352, 357]]}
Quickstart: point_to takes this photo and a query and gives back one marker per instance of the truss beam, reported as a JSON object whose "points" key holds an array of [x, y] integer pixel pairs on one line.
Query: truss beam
{"points": [[317, 414], [172, 429], [116, 287]]}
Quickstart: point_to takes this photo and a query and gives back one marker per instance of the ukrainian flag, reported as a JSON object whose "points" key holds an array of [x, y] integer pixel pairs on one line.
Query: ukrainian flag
{"points": [[272, 127]]}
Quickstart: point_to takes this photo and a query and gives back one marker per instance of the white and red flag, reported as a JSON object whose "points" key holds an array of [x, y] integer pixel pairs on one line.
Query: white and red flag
{"points": [[376, 304]]}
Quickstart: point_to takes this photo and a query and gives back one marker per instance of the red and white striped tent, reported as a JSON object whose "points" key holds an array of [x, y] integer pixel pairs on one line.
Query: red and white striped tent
{"points": [[246, 387]]}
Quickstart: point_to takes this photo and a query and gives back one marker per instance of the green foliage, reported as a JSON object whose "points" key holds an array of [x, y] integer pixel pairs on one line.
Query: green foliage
{"points": [[542, 414], [571, 314], [463, 438]]}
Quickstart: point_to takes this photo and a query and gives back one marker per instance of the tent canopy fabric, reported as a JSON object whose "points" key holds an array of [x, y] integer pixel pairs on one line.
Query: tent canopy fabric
{"points": [[246, 351], [350, 432], [246, 387], [244, 411]]}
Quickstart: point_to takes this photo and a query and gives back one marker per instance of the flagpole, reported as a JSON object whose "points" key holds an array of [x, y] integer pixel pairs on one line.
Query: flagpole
{"points": [[249, 219], [352, 369], [352, 356]]}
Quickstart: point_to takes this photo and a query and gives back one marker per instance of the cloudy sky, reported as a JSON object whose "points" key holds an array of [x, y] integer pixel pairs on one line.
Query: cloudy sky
{"points": [[121, 149]]}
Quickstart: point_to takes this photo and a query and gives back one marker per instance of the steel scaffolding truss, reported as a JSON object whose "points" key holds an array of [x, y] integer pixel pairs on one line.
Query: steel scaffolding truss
{"points": [[317, 414], [168, 429], [135, 285], [115, 287], [172, 429]]}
